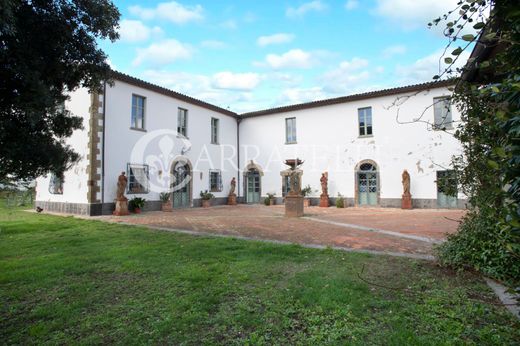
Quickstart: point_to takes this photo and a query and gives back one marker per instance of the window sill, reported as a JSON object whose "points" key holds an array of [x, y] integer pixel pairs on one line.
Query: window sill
{"points": [[288, 143], [365, 136], [445, 128], [215, 143], [182, 136], [215, 190], [137, 129]]}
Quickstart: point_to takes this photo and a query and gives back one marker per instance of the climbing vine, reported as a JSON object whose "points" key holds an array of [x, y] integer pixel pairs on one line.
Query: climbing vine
{"points": [[488, 171]]}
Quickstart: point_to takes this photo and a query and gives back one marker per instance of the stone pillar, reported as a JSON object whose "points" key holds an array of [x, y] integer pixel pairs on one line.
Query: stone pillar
{"points": [[121, 207], [293, 205], [232, 199], [324, 201], [406, 201]]}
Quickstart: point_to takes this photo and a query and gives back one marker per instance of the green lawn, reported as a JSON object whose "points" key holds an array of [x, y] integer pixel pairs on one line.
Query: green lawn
{"points": [[64, 280]]}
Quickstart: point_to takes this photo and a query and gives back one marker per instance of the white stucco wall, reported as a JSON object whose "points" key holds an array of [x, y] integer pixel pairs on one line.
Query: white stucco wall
{"points": [[75, 180], [328, 140], [160, 117]]}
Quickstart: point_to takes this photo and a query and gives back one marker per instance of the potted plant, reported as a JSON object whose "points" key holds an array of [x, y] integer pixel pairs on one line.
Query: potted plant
{"points": [[165, 200], [340, 201], [306, 191], [267, 201], [136, 204], [206, 198], [272, 201]]}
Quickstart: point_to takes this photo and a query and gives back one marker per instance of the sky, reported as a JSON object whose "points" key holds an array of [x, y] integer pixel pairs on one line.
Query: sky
{"points": [[249, 55]]}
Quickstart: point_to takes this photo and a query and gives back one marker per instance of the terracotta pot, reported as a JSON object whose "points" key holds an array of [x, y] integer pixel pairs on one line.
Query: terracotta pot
{"points": [[166, 207], [206, 203], [306, 202], [137, 210]]}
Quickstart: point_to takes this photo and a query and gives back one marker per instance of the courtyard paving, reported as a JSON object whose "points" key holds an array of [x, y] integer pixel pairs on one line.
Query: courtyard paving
{"points": [[410, 233]]}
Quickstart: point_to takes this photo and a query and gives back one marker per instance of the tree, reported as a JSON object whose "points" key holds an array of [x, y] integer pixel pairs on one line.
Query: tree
{"points": [[47, 49], [488, 96]]}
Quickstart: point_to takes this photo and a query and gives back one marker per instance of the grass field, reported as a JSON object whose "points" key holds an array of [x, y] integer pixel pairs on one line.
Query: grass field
{"points": [[65, 280]]}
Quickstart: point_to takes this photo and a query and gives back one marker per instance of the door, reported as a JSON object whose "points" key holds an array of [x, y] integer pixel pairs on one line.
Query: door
{"points": [[446, 189], [253, 187], [182, 179], [367, 184]]}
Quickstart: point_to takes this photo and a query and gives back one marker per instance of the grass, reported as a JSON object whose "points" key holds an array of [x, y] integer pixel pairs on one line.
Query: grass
{"points": [[65, 280]]}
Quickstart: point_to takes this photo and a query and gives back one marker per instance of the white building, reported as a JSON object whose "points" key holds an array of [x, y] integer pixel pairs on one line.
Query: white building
{"points": [[158, 137]]}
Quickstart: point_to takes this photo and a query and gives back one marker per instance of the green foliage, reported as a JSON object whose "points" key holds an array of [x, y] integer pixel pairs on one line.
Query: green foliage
{"points": [[48, 48], [206, 195], [136, 202], [271, 195], [164, 196], [306, 191], [488, 171], [267, 201], [340, 201]]}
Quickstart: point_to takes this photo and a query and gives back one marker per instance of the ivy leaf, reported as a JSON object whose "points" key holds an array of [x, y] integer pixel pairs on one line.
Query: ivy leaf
{"points": [[448, 60], [457, 51], [479, 25], [468, 37], [493, 164], [436, 76]]}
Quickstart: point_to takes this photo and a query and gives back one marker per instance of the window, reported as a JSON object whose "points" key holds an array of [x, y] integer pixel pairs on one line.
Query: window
{"points": [[365, 121], [137, 112], [214, 130], [442, 113], [137, 178], [56, 184], [290, 130], [215, 181], [182, 122]]}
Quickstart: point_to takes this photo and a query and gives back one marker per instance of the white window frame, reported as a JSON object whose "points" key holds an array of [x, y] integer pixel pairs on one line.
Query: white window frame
{"points": [[136, 111], [131, 168], [215, 130], [364, 126], [290, 130], [55, 184], [182, 122], [444, 120], [218, 183]]}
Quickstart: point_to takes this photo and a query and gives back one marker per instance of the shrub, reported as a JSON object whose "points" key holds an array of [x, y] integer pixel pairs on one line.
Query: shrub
{"points": [[340, 201], [164, 197], [206, 195], [136, 202], [267, 201]]}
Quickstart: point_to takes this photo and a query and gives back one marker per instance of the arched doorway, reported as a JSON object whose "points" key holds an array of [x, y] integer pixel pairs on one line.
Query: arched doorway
{"points": [[182, 182], [253, 183], [367, 184]]}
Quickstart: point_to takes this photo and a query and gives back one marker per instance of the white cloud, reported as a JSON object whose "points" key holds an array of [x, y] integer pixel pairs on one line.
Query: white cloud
{"points": [[351, 4], [410, 14], [136, 31], [390, 51], [236, 81], [346, 77], [300, 11], [171, 11], [162, 53], [229, 24], [274, 39], [213, 44], [301, 95], [202, 87], [425, 68], [295, 58]]}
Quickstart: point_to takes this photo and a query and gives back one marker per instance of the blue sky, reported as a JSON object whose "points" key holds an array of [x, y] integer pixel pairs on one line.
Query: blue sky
{"points": [[250, 55]]}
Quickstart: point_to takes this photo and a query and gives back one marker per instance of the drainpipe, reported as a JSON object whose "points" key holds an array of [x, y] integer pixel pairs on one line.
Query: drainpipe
{"points": [[103, 147], [238, 155]]}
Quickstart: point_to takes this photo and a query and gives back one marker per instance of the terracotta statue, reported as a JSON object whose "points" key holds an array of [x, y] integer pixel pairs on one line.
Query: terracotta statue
{"points": [[406, 182], [233, 186], [324, 182], [121, 187]]}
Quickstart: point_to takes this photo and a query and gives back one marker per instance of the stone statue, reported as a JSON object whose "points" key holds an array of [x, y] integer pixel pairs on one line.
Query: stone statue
{"points": [[406, 182], [295, 182], [121, 187], [233, 186], [324, 180]]}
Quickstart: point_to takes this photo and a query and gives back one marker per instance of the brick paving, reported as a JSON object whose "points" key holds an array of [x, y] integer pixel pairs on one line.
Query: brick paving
{"points": [[375, 229]]}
